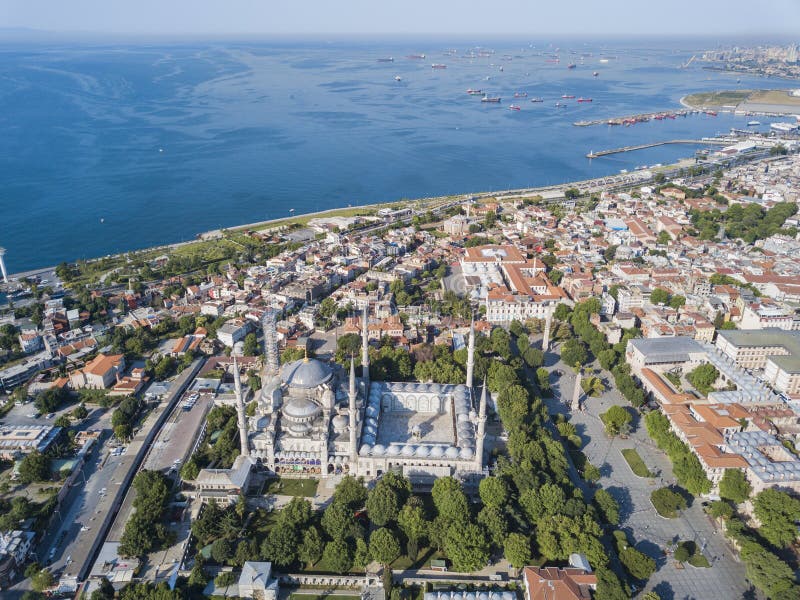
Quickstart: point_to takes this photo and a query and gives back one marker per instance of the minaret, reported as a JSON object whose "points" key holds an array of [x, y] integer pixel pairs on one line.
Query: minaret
{"points": [[471, 354], [481, 428], [365, 347], [353, 420], [271, 357], [237, 383], [548, 317]]}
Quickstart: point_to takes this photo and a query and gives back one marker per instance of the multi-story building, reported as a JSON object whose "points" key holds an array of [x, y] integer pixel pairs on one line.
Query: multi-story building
{"points": [[775, 351], [99, 373], [14, 549]]}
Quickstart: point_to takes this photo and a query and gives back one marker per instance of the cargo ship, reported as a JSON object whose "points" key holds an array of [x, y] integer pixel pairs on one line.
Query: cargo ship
{"points": [[416, 56], [567, 96], [493, 99]]}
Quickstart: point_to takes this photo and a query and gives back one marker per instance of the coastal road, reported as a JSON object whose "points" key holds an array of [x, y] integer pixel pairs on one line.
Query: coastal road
{"points": [[651, 532]]}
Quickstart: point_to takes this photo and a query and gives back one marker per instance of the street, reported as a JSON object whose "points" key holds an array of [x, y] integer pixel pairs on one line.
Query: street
{"points": [[652, 533]]}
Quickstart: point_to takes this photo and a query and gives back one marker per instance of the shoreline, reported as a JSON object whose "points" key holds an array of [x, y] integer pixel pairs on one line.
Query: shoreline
{"points": [[212, 234]]}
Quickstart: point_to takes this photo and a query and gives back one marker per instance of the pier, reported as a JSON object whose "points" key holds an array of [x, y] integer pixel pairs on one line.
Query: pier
{"points": [[718, 142], [640, 118]]}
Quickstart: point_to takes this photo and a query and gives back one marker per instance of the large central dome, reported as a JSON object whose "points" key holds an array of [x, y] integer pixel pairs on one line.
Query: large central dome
{"points": [[306, 373]]}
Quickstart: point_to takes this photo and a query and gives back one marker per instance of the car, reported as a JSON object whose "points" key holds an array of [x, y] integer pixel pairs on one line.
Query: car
{"points": [[50, 415], [33, 415]]}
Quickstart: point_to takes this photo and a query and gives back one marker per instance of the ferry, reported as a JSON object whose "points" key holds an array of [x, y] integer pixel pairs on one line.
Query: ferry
{"points": [[438, 66], [520, 94], [494, 99], [584, 99], [514, 107], [753, 123], [537, 99], [416, 56], [567, 96], [388, 59], [472, 92]]}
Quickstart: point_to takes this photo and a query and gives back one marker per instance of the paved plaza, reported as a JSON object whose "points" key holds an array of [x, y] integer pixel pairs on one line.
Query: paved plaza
{"points": [[652, 533]]}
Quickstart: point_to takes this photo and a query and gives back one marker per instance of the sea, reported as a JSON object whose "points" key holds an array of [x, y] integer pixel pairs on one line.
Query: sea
{"points": [[108, 146]]}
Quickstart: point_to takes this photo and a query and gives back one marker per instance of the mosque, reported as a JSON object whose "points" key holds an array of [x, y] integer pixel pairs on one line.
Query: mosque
{"points": [[314, 420]]}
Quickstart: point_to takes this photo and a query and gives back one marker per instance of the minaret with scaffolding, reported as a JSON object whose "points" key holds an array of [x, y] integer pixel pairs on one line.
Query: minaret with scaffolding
{"points": [[271, 357], [237, 384], [365, 347]]}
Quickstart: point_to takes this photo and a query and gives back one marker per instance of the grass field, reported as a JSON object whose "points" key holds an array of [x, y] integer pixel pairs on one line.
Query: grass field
{"points": [[774, 97], [293, 487], [717, 99], [636, 463], [698, 560]]}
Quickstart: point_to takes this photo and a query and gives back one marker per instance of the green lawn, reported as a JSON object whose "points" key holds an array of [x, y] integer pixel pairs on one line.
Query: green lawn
{"points": [[636, 463], [293, 487], [698, 560]]}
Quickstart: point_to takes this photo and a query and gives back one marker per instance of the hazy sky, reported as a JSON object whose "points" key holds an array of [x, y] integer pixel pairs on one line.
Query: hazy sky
{"points": [[596, 18]]}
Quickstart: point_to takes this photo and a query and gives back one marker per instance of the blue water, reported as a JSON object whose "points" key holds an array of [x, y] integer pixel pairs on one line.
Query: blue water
{"points": [[162, 142]]}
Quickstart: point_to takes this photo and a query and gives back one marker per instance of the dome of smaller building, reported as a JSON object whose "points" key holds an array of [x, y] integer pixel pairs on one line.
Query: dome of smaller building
{"points": [[462, 418], [340, 423], [393, 450], [423, 451], [372, 411], [364, 450], [437, 452], [467, 453], [451, 452], [378, 450], [300, 408], [299, 428], [408, 451]]}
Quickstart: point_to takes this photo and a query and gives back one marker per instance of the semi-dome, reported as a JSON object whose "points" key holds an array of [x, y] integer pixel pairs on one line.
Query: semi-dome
{"points": [[300, 408], [306, 373], [340, 422]]}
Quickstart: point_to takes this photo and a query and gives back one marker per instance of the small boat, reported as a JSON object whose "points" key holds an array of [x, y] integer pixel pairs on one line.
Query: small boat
{"points": [[416, 56], [472, 92], [438, 66], [388, 59], [494, 99], [595, 74], [514, 107], [560, 105], [501, 69], [398, 78], [753, 123], [537, 99], [584, 99], [603, 60], [571, 65], [711, 113], [567, 96], [520, 94]]}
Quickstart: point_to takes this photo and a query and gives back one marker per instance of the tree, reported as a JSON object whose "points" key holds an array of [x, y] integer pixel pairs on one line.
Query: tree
{"points": [[616, 419], [361, 558], [351, 492], [466, 547], [677, 301], [34, 467], [659, 296], [383, 546], [517, 550], [337, 556], [413, 524], [638, 565], [608, 507], [778, 512], [250, 346], [105, 591], [682, 553], [80, 412], [450, 500], [311, 549], [593, 386], [51, 399], [703, 377], [221, 550], [297, 513], [493, 521], [769, 573], [42, 580], [609, 587], [339, 523], [382, 504], [734, 486], [62, 421], [667, 502], [281, 545], [573, 352], [493, 492]]}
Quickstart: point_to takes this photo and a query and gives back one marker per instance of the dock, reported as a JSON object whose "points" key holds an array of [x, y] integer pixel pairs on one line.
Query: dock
{"points": [[640, 118], [704, 142]]}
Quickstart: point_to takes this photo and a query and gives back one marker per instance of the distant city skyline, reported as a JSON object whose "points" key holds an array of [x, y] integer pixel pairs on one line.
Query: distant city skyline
{"points": [[587, 18]]}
